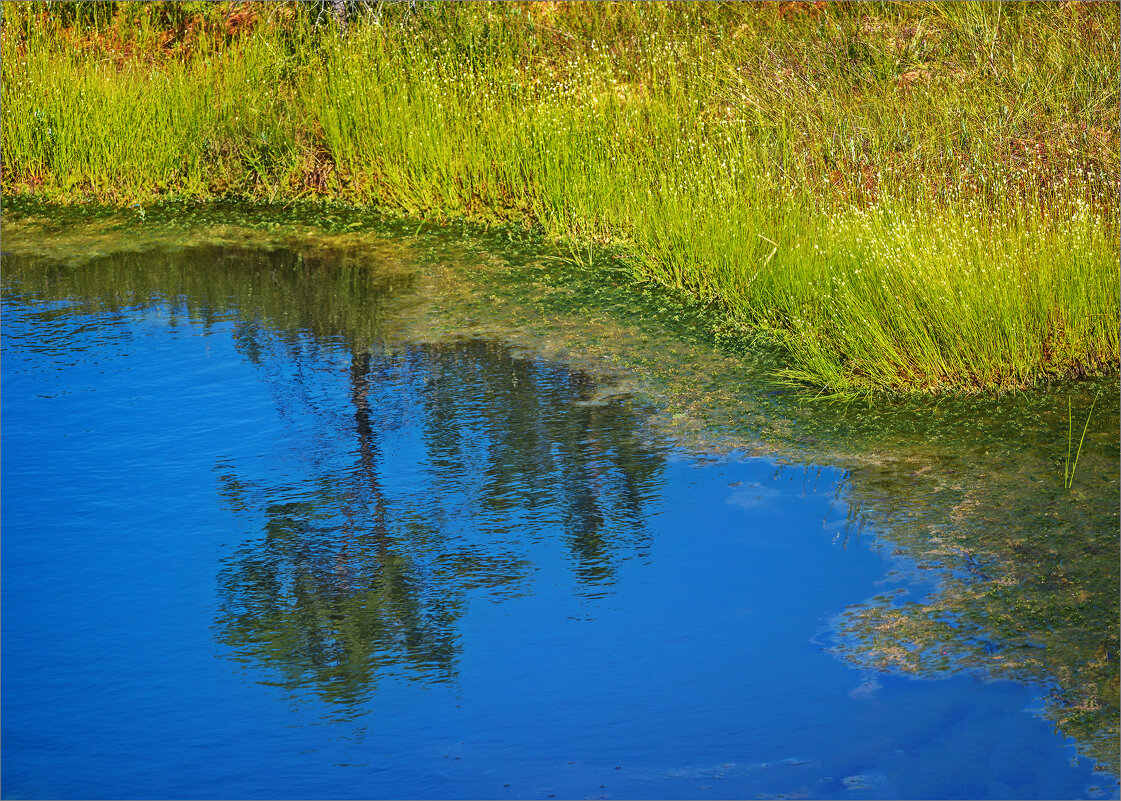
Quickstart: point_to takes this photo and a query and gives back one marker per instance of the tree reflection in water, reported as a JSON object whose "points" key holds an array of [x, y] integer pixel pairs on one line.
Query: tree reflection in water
{"points": [[421, 473], [366, 567]]}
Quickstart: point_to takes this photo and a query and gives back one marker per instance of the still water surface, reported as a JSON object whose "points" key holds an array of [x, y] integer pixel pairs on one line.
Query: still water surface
{"points": [[246, 559]]}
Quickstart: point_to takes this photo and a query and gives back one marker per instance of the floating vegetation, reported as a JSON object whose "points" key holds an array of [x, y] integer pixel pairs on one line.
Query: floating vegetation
{"points": [[1027, 585]]}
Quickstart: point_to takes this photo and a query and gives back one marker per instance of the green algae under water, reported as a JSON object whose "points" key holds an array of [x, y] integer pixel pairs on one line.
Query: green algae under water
{"points": [[969, 488]]}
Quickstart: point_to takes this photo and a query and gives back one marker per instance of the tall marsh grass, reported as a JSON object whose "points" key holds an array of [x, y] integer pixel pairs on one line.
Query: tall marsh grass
{"points": [[912, 197]]}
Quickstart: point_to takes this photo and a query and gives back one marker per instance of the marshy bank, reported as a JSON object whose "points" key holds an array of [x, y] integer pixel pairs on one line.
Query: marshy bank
{"points": [[500, 332], [914, 197]]}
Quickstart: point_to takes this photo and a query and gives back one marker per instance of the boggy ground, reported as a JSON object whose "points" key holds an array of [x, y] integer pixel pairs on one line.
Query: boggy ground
{"points": [[911, 197]]}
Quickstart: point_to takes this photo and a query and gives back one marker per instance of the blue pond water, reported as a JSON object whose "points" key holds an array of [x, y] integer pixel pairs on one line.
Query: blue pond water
{"points": [[243, 562]]}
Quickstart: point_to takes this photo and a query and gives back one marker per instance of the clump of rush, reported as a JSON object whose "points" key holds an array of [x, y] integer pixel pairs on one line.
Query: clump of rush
{"points": [[910, 197]]}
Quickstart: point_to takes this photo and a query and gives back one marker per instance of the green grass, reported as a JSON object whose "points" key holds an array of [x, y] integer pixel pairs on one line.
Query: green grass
{"points": [[911, 197]]}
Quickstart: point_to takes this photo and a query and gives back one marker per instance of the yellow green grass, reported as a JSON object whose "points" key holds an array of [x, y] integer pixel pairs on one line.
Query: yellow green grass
{"points": [[910, 197]]}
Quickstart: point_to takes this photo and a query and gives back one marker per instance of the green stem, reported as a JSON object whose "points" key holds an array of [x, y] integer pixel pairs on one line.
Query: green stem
{"points": [[1082, 439]]}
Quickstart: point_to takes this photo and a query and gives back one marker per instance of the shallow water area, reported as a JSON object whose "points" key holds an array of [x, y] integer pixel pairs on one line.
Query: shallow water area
{"points": [[301, 520]]}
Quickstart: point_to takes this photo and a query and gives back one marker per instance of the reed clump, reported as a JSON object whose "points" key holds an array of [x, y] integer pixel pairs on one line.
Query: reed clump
{"points": [[911, 197]]}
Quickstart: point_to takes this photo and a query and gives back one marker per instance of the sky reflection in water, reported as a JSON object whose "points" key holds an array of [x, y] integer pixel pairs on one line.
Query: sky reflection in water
{"points": [[248, 561]]}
